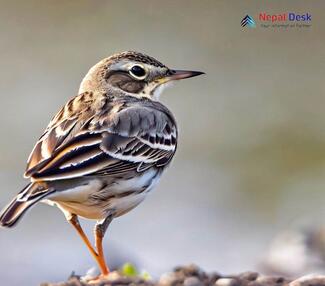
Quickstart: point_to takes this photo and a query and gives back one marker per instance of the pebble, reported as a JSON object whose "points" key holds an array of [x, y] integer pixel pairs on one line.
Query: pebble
{"points": [[193, 281], [227, 282]]}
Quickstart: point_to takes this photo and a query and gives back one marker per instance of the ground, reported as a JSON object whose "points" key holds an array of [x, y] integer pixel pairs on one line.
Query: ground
{"points": [[193, 276]]}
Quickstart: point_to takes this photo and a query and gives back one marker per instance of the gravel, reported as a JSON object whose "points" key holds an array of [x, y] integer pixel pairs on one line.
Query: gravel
{"points": [[193, 276]]}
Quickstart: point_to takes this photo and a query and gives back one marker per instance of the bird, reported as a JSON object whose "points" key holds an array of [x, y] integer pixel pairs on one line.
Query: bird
{"points": [[105, 149]]}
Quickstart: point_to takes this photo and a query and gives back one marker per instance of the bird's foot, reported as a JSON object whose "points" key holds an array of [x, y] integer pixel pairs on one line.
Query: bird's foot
{"points": [[100, 278]]}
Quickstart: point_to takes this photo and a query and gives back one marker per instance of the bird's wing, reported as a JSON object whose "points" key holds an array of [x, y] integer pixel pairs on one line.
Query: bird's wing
{"points": [[63, 127], [142, 136], [128, 138]]}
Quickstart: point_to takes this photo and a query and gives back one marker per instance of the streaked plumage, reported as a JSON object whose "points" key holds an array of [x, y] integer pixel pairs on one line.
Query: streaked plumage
{"points": [[106, 148]]}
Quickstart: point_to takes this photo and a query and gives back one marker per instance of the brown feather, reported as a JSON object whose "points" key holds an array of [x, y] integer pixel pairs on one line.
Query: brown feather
{"points": [[81, 141]]}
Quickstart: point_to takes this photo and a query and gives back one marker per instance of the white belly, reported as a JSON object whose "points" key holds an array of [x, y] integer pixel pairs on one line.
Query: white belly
{"points": [[94, 201]]}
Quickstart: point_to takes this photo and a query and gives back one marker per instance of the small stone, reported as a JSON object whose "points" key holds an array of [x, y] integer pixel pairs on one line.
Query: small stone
{"points": [[212, 278], [249, 276], [189, 270], [192, 281], [271, 281], [168, 278], [309, 280], [227, 282]]}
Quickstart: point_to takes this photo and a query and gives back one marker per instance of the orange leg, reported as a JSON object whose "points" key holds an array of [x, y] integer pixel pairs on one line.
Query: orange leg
{"points": [[100, 230], [98, 256], [100, 253]]}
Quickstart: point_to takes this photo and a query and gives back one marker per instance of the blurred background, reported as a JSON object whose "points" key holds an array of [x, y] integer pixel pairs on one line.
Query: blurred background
{"points": [[251, 157]]}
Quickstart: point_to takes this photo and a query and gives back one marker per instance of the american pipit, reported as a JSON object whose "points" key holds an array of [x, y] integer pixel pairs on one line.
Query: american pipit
{"points": [[105, 149]]}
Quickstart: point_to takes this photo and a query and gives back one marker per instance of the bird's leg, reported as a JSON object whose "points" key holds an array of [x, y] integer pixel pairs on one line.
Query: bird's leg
{"points": [[100, 230], [73, 219]]}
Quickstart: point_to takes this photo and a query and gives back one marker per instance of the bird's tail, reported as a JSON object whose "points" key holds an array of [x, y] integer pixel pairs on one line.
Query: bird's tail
{"points": [[30, 195]]}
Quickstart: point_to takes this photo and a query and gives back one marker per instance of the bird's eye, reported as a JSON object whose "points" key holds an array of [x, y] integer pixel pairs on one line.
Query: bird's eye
{"points": [[138, 72]]}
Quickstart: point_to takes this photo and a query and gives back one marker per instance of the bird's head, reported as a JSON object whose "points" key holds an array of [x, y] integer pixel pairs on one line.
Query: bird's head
{"points": [[132, 73]]}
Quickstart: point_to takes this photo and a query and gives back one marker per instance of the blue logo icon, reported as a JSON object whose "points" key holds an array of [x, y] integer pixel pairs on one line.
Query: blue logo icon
{"points": [[248, 21]]}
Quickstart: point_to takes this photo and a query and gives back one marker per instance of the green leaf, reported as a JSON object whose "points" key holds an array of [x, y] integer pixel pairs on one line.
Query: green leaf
{"points": [[129, 269], [146, 276]]}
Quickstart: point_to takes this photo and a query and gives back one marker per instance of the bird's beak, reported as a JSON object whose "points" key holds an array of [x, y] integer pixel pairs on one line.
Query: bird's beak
{"points": [[180, 74]]}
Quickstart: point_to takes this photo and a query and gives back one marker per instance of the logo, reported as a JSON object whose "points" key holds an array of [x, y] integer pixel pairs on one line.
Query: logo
{"points": [[248, 21], [283, 17], [282, 20]]}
